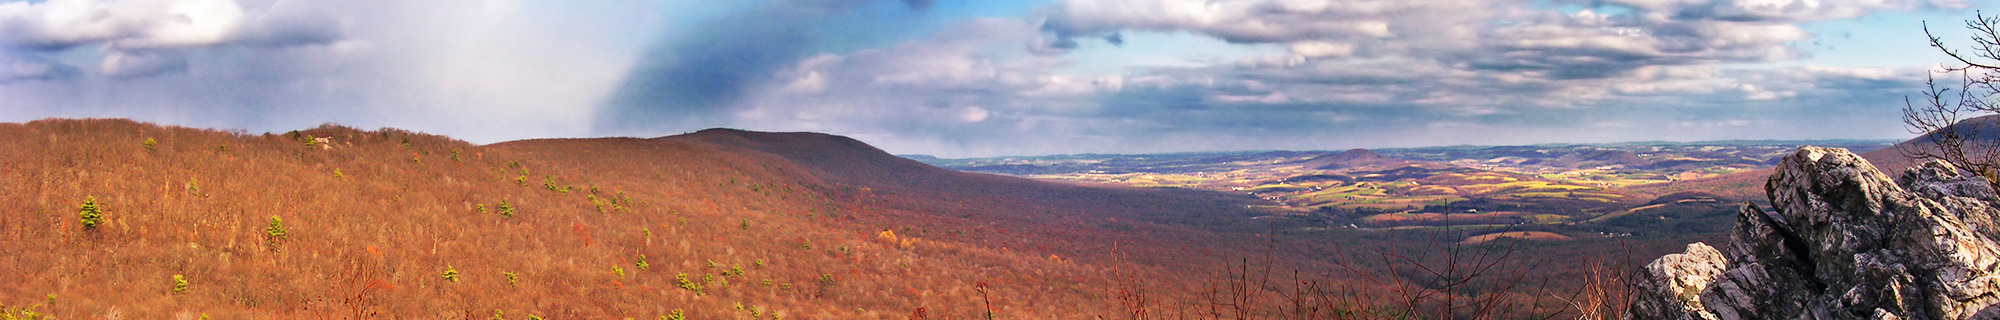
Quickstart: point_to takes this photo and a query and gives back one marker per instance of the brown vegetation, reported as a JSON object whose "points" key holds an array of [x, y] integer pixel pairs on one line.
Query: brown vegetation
{"points": [[334, 222]]}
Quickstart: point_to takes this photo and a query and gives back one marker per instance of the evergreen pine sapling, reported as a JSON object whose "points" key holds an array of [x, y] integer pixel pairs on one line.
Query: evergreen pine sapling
{"points": [[89, 214]]}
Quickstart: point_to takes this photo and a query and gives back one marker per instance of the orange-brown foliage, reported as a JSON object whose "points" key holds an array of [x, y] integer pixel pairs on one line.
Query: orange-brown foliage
{"points": [[806, 226]]}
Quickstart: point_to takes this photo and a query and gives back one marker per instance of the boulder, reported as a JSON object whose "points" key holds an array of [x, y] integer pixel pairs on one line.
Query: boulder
{"points": [[1844, 242]]}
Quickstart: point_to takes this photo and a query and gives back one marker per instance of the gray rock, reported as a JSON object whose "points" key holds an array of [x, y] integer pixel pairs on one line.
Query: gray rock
{"points": [[1676, 282], [1846, 242], [1938, 179]]}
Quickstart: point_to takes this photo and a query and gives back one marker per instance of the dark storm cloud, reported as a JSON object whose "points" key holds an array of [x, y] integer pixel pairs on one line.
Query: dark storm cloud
{"points": [[695, 81]]}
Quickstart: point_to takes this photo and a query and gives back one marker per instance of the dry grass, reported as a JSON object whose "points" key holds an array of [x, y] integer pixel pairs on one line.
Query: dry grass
{"points": [[376, 237], [795, 226]]}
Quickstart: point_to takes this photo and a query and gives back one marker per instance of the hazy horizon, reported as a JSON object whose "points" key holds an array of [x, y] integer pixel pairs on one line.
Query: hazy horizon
{"points": [[961, 79], [1251, 151]]}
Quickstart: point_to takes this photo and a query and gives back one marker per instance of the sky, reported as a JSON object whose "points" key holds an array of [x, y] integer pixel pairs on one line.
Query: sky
{"points": [[974, 78]]}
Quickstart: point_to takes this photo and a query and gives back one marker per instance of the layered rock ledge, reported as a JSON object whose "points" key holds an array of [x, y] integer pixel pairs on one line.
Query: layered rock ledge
{"points": [[1845, 242]]}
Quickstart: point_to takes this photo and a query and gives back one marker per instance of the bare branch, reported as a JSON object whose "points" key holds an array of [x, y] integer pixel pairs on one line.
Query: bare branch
{"points": [[1939, 117]]}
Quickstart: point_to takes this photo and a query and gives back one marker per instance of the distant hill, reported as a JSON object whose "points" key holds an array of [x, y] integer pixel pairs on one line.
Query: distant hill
{"points": [[847, 161], [1656, 157], [828, 155], [1748, 185], [1353, 158], [1984, 130]]}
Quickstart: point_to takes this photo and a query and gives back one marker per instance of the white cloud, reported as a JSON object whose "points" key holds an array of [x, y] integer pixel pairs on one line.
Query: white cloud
{"points": [[128, 24], [1273, 61], [188, 23], [1322, 49], [974, 114], [1234, 20], [809, 83], [140, 38]]}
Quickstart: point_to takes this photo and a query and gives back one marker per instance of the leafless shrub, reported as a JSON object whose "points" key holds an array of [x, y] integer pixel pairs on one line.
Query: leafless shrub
{"points": [[1938, 115]]}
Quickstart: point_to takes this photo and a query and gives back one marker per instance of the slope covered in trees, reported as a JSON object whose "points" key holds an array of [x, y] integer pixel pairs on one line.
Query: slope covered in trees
{"points": [[336, 222], [392, 222]]}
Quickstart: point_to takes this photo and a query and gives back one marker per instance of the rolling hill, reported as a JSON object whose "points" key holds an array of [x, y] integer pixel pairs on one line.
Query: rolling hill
{"points": [[719, 223], [1981, 133], [1749, 185], [337, 222], [1350, 159]]}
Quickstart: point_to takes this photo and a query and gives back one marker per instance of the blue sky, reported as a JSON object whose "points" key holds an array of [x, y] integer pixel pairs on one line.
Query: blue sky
{"points": [[984, 78]]}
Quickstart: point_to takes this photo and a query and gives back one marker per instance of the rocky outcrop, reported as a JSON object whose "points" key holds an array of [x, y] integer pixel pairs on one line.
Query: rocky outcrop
{"points": [[1845, 242]]}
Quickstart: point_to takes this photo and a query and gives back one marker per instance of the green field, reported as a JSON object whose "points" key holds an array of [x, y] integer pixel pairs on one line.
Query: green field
{"points": [[1414, 197], [1433, 190]]}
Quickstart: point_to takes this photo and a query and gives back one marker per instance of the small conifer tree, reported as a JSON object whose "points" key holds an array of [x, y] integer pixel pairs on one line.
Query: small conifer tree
{"points": [[275, 232], [89, 214], [506, 209]]}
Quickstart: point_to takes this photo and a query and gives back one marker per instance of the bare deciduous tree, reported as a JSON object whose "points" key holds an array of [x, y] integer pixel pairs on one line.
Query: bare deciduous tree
{"points": [[1937, 117]]}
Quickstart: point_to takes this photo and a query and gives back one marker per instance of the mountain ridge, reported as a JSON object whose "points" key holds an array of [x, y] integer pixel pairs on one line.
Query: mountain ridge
{"points": [[394, 222], [1352, 158]]}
